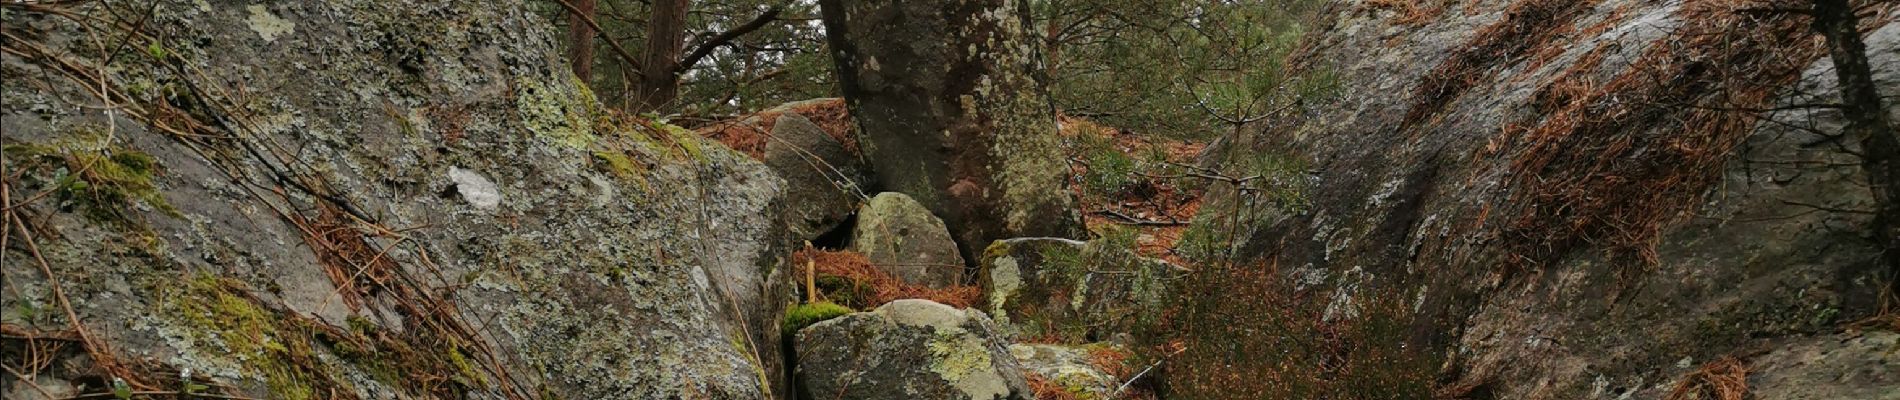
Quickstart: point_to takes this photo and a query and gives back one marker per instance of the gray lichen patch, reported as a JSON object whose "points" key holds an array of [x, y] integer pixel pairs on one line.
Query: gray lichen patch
{"points": [[268, 25]]}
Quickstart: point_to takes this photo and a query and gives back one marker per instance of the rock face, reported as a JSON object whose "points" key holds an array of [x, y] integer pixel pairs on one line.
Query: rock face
{"points": [[812, 144], [953, 113], [903, 238], [907, 349], [1527, 214], [1846, 366], [1076, 292], [372, 199]]}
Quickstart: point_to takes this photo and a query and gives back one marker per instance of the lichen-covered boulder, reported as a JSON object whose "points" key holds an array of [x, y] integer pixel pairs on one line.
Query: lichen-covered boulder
{"points": [[1077, 292], [813, 145], [368, 199], [903, 238], [1067, 369], [907, 349]]}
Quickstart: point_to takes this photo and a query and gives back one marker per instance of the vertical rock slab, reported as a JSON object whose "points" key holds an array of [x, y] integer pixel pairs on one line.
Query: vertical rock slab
{"points": [[813, 145], [953, 112], [901, 237]]}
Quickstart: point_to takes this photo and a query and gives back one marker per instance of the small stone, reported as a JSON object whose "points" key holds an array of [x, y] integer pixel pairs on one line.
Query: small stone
{"points": [[476, 189]]}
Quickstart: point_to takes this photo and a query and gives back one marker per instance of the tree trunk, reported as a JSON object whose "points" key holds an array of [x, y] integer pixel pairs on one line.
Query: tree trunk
{"points": [[1866, 122], [580, 40], [659, 72], [954, 112]]}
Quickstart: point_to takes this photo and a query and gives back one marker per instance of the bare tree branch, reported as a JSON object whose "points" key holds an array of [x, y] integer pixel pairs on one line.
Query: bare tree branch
{"points": [[705, 49], [632, 63]]}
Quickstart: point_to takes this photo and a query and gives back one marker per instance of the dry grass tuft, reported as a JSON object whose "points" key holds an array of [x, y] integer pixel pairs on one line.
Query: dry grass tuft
{"points": [[1112, 361], [1153, 199], [1527, 25], [854, 282], [1410, 12], [357, 268], [1723, 379], [750, 133], [1045, 389], [1615, 162]]}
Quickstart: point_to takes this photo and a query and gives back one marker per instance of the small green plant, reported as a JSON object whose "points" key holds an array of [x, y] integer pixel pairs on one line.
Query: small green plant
{"points": [[156, 51], [1109, 170], [188, 387], [120, 390], [800, 316]]}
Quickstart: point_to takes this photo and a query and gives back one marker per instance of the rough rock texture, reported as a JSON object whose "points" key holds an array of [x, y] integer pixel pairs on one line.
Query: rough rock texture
{"points": [[812, 144], [824, 177], [903, 238], [907, 349], [1075, 292], [953, 112], [1830, 367], [372, 199], [1564, 200], [1068, 368]]}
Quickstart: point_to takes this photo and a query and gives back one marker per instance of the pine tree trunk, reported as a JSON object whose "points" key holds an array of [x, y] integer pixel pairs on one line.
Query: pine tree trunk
{"points": [[953, 109], [580, 40], [1867, 122], [666, 36]]}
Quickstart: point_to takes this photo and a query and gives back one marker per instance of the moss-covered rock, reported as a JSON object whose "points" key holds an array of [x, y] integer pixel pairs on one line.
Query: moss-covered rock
{"points": [[907, 349], [1072, 291]]}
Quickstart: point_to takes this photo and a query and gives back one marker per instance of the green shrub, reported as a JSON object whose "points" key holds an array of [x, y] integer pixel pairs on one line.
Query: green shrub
{"points": [[800, 316], [1111, 172]]}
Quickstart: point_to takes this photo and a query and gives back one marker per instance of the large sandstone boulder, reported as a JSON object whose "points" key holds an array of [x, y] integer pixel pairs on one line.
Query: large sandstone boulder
{"points": [[1500, 190], [812, 144], [369, 199], [907, 349], [1073, 291], [903, 238]]}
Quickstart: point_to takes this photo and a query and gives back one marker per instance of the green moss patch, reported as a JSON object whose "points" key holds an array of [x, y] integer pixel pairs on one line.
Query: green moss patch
{"points": [[221, 314], [89, 175], [803, 315], [297, 357]]}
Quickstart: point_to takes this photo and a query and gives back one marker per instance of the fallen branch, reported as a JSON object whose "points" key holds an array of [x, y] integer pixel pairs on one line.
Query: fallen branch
{"points": [[1125, 219], [1144, 371]]}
